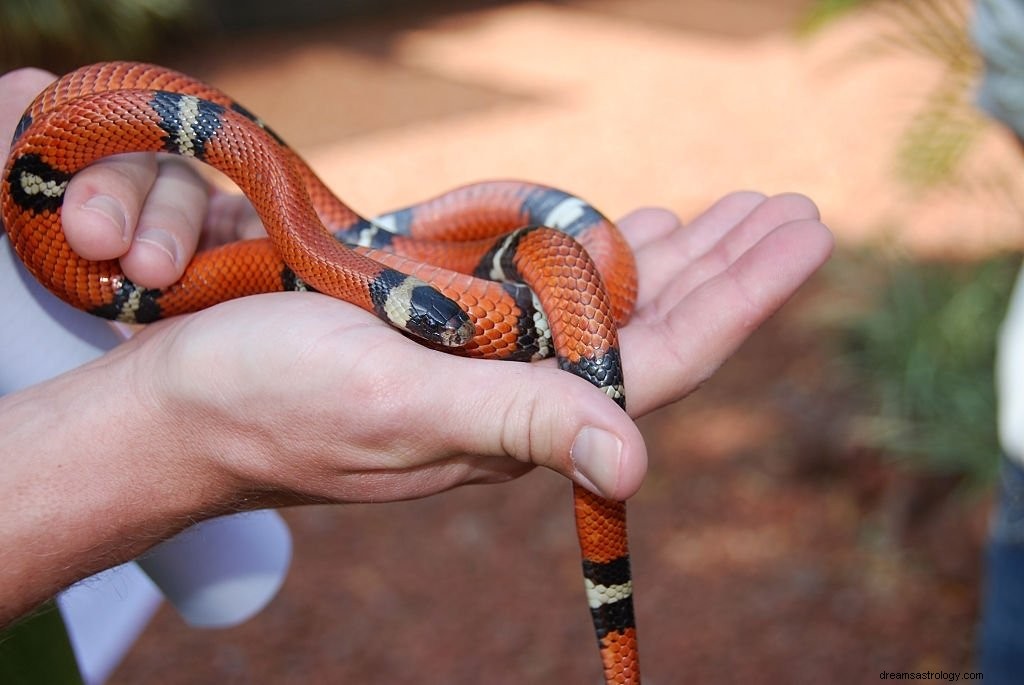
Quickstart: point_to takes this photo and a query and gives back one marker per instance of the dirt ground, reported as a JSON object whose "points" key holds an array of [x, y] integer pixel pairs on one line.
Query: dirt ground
{"points": [[764, 549]]}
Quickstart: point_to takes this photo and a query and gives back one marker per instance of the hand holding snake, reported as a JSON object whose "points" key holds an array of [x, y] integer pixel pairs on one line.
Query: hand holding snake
{"points": [[702, 290]]}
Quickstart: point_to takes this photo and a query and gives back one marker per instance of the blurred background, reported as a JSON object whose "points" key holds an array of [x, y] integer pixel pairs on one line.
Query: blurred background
{"points": [[815, 513]]}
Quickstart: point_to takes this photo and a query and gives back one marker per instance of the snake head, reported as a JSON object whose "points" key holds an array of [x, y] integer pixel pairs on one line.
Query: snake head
{"points": [[437, 319], [425, 313]]}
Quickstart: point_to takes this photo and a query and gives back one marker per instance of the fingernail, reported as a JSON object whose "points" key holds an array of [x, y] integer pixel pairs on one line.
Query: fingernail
{"points": [[110, 208], [595, 455], [162, 240]]}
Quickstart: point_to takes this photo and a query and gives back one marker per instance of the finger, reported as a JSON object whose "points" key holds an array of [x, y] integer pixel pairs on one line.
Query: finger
{"points": [[539, 415], [705, 328], [764, 218], [660, 261], [644, 226], [230, 217], [103, 203], [169, 226], [708, 227], [17, 89], [740, 220], [669, 281]]}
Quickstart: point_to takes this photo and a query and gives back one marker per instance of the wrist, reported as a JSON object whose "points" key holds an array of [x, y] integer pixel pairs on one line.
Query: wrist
{"points": [[213, 423], [198, 432], [92, 478]]}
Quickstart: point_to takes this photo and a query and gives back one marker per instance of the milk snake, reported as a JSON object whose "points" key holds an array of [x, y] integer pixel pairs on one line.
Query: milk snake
{"points": [[503, 270]]}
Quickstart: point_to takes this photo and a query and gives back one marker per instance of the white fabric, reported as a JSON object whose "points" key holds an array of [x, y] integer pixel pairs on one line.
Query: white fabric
{"points": [[1010, 376], [218, 573], [105, 615], [222, 571]]}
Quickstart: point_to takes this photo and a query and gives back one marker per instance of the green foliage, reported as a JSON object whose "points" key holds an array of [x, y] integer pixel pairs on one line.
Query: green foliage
{"points": [[942, 131], [36, 649], [921, 346], [59, 34], [923, 357], [940, 134], [822, 12]]}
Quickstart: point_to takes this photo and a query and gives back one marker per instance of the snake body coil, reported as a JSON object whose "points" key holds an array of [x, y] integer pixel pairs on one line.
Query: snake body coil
{"points": [[502, 270]]}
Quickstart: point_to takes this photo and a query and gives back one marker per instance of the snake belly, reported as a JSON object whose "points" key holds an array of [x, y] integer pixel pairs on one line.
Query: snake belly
{"points": [[498, 270]]}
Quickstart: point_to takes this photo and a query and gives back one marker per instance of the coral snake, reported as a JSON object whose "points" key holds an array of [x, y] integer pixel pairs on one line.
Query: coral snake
{"points": [[502, 270]]}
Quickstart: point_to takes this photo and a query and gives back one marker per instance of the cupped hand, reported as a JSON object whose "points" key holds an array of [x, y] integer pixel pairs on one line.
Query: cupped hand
{"points": [[318, 399]]}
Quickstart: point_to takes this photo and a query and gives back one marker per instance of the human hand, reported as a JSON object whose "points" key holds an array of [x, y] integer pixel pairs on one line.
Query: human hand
{"points": [[319, 400], [150, 211], [703, 289], [296, 397]]}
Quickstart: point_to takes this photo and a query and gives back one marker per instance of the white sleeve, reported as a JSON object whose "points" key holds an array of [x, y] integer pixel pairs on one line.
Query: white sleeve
{"points": [[1010, 376], [40, 335]]}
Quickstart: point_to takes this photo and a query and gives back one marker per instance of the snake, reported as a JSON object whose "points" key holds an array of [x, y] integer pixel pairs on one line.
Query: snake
{"points": [[503, 269]]}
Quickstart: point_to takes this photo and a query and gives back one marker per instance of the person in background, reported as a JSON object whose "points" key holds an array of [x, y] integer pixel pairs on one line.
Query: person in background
{"points": [[998, 32]]}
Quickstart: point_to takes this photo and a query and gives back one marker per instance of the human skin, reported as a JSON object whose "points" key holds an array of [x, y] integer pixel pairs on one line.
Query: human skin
{"points": [[293, 398]]}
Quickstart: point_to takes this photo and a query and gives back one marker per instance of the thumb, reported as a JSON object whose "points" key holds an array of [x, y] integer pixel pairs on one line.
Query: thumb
{"points": [[547, 417]]}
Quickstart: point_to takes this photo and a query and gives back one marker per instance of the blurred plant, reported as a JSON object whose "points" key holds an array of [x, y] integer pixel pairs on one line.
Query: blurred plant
{"points": [[921, 342], [822, 12], [60, 34], [921, 356], [942, 131]]}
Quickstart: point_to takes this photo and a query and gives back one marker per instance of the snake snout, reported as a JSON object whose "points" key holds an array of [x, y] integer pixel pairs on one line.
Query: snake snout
{"points": [[438, 319], [458, 331]]}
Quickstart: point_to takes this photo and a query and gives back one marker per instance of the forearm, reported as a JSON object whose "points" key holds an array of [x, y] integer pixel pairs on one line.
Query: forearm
{"points": [[73, 499]]}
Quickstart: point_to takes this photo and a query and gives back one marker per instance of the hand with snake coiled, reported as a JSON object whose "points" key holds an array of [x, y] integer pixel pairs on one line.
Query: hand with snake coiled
{"points": [[116, 477]]}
